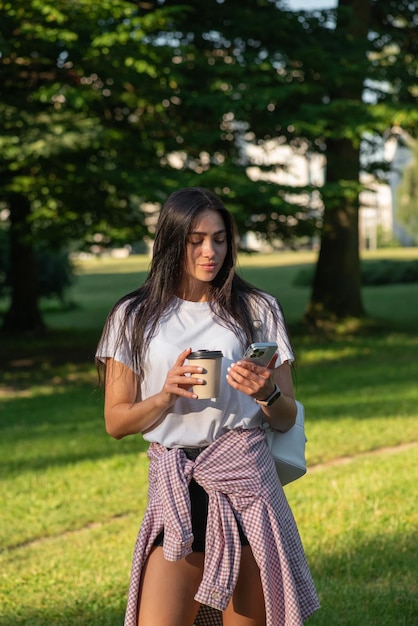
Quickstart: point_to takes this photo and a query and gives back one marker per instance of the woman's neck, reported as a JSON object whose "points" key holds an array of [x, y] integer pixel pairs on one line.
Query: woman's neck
{"points": [[194, 293]]}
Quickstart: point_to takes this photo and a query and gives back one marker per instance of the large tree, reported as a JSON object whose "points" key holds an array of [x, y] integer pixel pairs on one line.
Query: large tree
{"points": [[60, 133], [96, 113], [327, 82], [85, 129], [107, 105], [370, 70]]}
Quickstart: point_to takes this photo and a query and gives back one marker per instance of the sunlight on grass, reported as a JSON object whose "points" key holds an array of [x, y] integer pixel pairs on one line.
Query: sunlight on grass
{"points": [[357, 539], [348, 518], [79, 578], [65, 496], [72, 498], [106, 265], [102, 281]]}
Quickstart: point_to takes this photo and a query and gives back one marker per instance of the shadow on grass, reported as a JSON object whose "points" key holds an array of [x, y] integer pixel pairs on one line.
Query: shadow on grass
{"points": [[62, 345], [67, 426], [373, 584], [77, 615], [54, 415], [62, 427]]}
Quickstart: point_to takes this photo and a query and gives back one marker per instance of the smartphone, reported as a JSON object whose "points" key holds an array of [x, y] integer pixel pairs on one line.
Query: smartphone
{"points": [[260, 353]]}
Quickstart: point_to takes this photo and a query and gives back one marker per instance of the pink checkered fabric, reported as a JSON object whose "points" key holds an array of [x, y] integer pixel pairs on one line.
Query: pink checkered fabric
{"points": [[239, 475]]}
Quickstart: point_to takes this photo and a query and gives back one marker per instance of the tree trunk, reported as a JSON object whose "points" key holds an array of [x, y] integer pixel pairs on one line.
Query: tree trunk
{"points": [[336, 290], [337, 284], [23, 314]]}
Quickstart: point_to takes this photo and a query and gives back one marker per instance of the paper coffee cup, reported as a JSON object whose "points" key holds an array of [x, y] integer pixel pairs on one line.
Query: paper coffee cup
{"points": [[211, 362]]}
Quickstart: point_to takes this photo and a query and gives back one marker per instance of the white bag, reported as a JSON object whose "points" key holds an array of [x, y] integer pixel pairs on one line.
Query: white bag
{"points": [[288, 449]]}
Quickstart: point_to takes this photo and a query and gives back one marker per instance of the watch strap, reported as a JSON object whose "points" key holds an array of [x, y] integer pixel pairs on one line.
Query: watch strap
{"points": [[272, 398]]}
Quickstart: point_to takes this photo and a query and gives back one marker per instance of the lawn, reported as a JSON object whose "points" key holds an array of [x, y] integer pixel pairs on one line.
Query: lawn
{"points": [[71, 498]]}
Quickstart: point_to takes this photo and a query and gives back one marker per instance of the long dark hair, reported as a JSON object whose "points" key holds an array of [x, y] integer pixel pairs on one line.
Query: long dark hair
{"points": [[229, 295]]}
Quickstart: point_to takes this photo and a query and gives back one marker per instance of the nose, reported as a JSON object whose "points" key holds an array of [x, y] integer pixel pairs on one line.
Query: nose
{"points": [[208, 248]]}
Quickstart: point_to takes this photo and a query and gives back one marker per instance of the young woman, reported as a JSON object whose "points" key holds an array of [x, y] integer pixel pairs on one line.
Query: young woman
{"points": [[218, 543]]}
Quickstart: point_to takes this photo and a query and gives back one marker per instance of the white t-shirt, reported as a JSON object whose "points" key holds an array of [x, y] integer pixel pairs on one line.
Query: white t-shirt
{"points": [[196, 423]]}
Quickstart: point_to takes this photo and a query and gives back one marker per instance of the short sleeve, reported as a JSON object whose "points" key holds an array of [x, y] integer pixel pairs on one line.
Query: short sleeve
{"points": [[115, 342], [270, 324]]}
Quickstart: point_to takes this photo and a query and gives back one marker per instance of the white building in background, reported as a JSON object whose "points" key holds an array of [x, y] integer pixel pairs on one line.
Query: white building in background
{"points": [[399, 155], [297, 168], [376, 214]]}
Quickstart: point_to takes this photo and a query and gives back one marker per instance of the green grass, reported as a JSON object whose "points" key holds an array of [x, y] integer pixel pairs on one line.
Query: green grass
{"points": [[358, 521], [71, 498]]}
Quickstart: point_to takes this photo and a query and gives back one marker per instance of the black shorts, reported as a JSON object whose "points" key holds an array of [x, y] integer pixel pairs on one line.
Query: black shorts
{"points": [[199, 501]]}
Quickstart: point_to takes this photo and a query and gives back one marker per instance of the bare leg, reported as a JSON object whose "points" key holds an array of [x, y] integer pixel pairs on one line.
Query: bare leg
{"points": [[166, 596], [246, 607]]}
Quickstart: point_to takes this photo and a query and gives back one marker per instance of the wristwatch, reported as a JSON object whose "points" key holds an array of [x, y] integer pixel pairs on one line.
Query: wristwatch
{"points": [[272, 398]]}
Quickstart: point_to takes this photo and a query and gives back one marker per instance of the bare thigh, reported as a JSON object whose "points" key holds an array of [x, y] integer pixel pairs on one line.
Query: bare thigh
{"points": [[246, 607], [166, 595]]}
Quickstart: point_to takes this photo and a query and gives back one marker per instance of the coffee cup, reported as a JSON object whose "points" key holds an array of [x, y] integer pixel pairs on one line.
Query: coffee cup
{"points": [[211, 362]]}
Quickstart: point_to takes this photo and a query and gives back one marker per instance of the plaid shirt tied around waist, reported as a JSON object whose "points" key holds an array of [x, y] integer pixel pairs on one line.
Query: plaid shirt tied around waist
{"points": [[239, 475]]}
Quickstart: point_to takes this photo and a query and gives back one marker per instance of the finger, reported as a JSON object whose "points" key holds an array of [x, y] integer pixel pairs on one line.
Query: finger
{"points": [[251, 371], [178, 378], [184, 373], [242, 383], [183, 356], [234, 383], [249, 391], [176, 390], [250, 383], [181, 382], [259, 370]]}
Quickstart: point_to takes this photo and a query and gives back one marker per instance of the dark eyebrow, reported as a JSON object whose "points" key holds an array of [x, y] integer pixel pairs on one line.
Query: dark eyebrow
{"points": [[198, 232]]}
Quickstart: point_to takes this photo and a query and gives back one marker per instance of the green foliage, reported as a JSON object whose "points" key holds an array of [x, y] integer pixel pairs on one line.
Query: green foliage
{"points": [[96, 96], [382, 272], [55, 274], [55, 271], [107, 106], [388, 272], [58, 149]]}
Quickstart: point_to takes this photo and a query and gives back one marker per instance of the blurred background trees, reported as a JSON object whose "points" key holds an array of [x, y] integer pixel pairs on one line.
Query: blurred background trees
{"points": [[107, 107]]}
